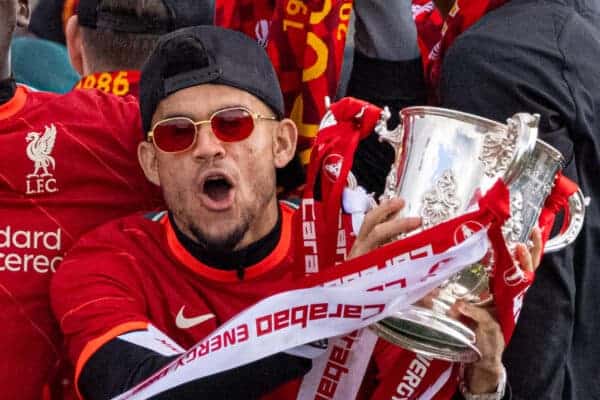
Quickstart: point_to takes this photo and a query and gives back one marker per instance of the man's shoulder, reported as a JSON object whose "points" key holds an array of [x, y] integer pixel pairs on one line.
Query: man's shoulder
{"points": [[521, 45], [106, 124], [131, 228], [124, 237], [118, 247], [88, 109], [92, 100], [514, 44], [521, 23]]}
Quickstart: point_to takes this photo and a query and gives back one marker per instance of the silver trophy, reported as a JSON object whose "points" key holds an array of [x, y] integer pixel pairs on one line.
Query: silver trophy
{"points": [[445, 161]]}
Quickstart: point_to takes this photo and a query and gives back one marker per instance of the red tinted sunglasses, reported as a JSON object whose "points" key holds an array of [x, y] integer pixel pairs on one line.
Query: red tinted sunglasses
{"points": [[174, 135]]}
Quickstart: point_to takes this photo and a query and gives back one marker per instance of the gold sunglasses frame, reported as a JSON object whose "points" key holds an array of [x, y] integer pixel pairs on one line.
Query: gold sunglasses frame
{"points": [[255, 117]]}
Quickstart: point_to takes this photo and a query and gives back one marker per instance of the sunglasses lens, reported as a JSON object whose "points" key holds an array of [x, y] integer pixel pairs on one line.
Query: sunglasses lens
{"points": [[174, 135], [232, 125]]}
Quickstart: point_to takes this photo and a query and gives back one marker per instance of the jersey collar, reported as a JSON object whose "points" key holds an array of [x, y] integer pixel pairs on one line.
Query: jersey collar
{"points": [[271, 261]]}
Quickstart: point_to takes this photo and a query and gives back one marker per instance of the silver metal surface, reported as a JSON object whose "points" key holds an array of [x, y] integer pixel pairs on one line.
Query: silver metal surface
{"points": [[465, 352], [529, 190], [528, 193], [445, 161]]}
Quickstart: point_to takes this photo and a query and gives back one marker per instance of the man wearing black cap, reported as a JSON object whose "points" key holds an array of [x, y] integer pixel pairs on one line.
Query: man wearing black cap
{"points": [[109, 40], [137, 292]]}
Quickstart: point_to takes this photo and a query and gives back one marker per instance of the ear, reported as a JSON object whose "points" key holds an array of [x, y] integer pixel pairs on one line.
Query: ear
{"points": [[74, 43], [23, 13], [284, 142], [149, 162]]}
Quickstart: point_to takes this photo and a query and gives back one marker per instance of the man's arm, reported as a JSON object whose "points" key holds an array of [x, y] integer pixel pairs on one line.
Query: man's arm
{"points": [[129, 364], [112, 342]]}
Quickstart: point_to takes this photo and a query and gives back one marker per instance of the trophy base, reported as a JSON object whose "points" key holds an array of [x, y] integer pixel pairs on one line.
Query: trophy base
{"points": [[431, 334]]}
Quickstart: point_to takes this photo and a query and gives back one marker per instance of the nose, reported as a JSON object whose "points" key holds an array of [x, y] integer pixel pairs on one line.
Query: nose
{"points": [[207, 145]]}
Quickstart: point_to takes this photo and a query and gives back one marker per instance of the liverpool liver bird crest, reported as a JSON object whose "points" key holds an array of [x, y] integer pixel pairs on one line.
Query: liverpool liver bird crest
{"points": [[39, 148]]}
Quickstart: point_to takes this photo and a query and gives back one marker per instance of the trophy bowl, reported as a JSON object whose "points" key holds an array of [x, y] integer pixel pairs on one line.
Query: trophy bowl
{"points": [[445, 161]]}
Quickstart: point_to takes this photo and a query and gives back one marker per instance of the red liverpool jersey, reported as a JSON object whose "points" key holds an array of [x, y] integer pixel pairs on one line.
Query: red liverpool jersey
{"points": [[148, 277], [133, 275], [69, 164]]}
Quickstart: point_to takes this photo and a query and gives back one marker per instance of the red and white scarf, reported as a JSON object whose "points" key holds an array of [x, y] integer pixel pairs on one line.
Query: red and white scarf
{"points": [[326, 230]]}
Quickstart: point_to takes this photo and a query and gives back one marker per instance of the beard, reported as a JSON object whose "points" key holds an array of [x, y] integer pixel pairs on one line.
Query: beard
{"points": [[226, 243]]}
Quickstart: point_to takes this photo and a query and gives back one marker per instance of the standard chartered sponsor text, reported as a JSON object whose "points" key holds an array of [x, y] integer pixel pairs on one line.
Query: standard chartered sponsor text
{"points": [[25, 251]]}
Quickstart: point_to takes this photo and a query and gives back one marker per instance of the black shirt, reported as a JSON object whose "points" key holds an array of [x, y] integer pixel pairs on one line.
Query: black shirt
{"points": [[7, 90]]}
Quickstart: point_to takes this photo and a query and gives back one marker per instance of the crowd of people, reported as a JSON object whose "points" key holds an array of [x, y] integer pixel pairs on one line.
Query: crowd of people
{"points": [[155, 165]]}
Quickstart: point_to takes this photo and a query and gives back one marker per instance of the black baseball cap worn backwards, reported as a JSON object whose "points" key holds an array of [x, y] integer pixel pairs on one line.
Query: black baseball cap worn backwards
{"points": [[180, 13], [207, 54]]}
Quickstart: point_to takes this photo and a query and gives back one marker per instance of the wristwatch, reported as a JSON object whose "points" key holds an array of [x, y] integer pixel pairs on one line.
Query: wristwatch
{"points": [[497, 395]]}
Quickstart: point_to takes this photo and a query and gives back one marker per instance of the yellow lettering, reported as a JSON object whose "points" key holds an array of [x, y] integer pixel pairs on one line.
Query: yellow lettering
{"points": [[345, 12], [121, 84], [292, 24], [317, 17], [296, 6], [104, 82], [306, 130], [89, 82], [320, 65]]}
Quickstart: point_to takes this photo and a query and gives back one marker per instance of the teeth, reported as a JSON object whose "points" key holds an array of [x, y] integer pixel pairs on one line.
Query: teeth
{"points": [[215, 178]]}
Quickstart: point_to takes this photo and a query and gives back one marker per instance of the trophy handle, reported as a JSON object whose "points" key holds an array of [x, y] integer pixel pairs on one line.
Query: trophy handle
{"points": [[394, 139], [511, 156], [576, 212]]}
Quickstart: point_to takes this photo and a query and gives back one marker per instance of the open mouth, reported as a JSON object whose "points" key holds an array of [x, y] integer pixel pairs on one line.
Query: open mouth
{"points": [[218, 191], [217, 188]]}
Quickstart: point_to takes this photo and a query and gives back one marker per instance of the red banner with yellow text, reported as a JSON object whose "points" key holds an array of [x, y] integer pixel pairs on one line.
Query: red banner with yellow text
{"points": [[305, 40]]}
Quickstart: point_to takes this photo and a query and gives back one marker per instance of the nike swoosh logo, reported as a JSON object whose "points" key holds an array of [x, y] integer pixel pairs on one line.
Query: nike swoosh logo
{"points": [[186, 323]]}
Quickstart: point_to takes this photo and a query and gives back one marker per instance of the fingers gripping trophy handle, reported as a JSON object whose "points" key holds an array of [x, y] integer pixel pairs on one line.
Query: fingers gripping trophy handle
{"points": [[575, 212]]}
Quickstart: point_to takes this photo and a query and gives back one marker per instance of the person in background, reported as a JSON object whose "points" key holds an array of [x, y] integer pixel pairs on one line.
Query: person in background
{"points": [[386, 71], [71, 166], [542, 57], [109, 40], [39, 56], [48, 19]]}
